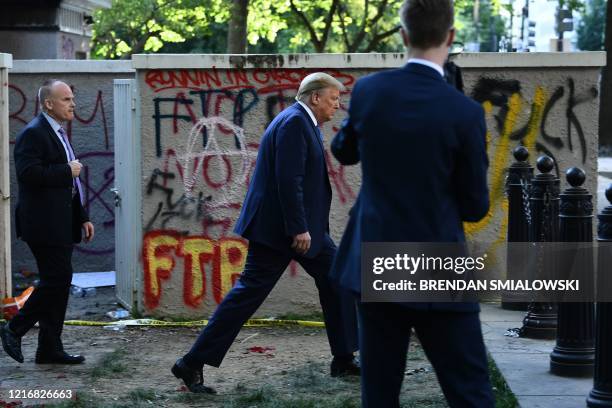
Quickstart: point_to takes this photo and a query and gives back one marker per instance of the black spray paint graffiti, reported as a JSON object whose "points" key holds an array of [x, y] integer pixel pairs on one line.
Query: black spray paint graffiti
{"points": [[184, 208], [242, 102], [498, 93]]}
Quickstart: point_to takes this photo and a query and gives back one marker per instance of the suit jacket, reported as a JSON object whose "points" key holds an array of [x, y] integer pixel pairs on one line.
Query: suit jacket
{"points": [[46, 212], [422, 149], [289, 192]]}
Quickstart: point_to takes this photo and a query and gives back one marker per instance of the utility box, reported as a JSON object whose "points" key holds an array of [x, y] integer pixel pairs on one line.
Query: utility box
{"points": [[6, 63], [127, 192]]}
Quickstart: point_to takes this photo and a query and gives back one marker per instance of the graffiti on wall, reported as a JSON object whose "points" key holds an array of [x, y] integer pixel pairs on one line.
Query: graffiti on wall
{"points": [[518, 120], [206, 127], [221, 259], [90, 134]]}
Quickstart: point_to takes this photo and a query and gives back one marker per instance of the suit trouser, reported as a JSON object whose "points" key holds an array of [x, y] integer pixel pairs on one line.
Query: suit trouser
{"points": [[47, 303], [452, 342], [264, 266]]}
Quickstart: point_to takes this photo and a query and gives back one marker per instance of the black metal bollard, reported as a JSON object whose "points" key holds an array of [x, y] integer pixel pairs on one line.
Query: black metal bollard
{"points": [[518, 182], [601, 394], [541, 319], [574, 353]]}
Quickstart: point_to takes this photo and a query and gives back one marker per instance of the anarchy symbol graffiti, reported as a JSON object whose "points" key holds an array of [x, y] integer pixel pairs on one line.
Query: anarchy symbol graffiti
{"points": [[234, 157]]}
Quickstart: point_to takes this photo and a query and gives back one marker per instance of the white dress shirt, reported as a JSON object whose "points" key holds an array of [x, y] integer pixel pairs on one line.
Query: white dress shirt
{"points": [[427, 63], [56, 127], [312, 116]]}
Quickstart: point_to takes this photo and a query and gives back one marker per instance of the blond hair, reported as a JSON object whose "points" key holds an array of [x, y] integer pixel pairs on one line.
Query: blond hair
{"points": [[315, 82]]}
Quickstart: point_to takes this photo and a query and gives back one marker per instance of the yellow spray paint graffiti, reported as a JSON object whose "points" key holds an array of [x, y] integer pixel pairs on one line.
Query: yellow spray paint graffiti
{"points": [[502, 147]]}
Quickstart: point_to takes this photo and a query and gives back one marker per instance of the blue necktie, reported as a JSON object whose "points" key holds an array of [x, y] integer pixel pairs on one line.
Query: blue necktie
{"points": [[320, 133], [76, 182]]}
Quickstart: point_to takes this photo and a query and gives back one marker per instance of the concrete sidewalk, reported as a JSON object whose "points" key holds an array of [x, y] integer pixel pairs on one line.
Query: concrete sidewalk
{"points": [[524, 363]]}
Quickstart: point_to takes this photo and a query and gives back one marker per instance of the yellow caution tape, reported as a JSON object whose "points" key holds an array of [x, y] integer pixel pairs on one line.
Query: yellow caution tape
{"points": [[195, 323]]}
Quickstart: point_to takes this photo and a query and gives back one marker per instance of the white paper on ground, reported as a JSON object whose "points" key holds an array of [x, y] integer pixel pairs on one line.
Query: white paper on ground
{"points": [[94, 279]]}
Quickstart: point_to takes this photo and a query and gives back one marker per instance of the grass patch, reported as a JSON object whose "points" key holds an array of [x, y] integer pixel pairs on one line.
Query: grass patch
{"points": [[264, 394], [193, 398], [138, 398], [314, 378], [435, 401], [143, 395], [266, 397], [80, 400], [504, 398], [110, 365], [309, 385], [309, 376]]}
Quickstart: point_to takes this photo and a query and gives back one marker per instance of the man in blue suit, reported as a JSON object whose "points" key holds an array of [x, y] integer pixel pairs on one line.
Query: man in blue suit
{"points": [[422, 149], [285, 216]]}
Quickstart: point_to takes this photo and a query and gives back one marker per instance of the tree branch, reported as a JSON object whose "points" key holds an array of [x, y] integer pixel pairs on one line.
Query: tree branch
{"points": [[328, 23], [368, 23], [379, 13], [378, 38], [364, 23], [309, 27], [138, 46], [347, 44]]}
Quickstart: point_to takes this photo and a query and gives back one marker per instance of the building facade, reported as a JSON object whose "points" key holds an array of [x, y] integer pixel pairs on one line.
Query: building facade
{"points": [[48, 29]]}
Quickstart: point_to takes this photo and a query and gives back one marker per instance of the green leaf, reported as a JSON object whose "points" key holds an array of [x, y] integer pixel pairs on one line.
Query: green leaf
{"points": [[171, 36], [153, 44]]}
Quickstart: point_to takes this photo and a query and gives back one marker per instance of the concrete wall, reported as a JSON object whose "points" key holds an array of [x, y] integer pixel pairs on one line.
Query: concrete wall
{"points": [[192, 194], [29, 44], [50, 44], [6, 62], [92, 136]]}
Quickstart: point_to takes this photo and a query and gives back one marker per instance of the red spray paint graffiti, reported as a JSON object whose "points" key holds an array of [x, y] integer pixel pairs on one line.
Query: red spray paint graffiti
{"points": [[218, 261]]}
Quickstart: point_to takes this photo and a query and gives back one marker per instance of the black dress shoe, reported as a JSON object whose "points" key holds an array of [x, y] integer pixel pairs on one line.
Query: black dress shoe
{"points": [[57, 357], [193, 379], [342, 366], [11, 343]]}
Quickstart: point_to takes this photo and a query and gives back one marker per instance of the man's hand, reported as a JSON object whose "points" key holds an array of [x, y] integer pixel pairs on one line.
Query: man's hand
{"points": [[75, 167], [301, 243], [89, 231]]}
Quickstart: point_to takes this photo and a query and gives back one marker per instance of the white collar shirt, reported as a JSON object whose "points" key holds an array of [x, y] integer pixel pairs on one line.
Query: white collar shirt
{"points": [[56, 127], [309, 111], [427, 63]]}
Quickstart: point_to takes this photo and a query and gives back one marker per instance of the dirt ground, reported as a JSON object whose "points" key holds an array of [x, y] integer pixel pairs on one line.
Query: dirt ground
{"points": [[288, 367]]}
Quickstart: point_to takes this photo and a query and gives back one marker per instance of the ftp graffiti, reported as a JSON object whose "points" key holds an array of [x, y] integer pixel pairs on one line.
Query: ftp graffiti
{"points": [[218, 261]]}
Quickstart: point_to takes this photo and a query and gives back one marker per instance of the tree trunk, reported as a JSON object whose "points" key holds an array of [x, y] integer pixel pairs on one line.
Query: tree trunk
{"points": [[605, 100], [237, 32]]}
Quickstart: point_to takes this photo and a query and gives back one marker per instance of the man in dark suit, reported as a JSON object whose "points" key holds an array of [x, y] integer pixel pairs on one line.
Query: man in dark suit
{"points": [[49, 218], [422, 149], [285, 216]]}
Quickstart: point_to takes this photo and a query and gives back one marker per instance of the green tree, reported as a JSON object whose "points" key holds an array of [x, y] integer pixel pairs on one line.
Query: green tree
{"points": [[271, 26], [323, 25], [592, 26], [237, 30], [131, 27], [346, 26], [480, 21]]}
